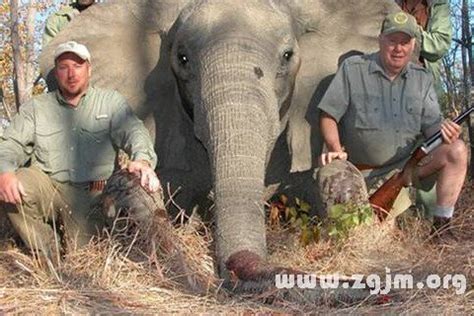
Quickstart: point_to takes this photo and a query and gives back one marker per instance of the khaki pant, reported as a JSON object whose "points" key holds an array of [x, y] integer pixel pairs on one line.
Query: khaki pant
{"points": [[404, 199], [52, 209]]}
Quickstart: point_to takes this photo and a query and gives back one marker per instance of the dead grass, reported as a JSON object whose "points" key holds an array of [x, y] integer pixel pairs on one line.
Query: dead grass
{"points": [[115, 276]]}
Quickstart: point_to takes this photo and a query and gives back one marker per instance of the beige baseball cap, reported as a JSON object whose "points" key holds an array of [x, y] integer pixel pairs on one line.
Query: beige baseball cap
{"points": [[72, 47], [400, 22]]}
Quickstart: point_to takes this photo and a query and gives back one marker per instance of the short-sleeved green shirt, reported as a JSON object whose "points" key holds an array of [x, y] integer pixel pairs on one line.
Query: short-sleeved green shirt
{"points": [[76, 144], [380, 121]]}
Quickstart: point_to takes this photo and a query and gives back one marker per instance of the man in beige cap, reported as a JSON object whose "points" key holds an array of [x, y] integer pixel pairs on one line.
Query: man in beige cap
{"points": [[377, 109], [60, 149]]}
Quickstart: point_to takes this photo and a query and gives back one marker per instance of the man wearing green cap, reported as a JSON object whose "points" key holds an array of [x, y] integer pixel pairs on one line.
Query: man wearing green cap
{"points": [[377, 109]]}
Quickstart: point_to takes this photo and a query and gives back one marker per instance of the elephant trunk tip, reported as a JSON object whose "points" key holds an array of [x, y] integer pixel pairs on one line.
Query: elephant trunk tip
{"points": [[244, 265]]}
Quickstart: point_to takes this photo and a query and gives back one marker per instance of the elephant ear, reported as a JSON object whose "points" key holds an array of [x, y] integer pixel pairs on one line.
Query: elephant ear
{"points": [[127, 41], [328, 32]]}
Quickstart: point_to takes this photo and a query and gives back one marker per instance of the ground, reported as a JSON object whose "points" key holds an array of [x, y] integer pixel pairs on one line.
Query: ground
{"points": [[113, 276]]}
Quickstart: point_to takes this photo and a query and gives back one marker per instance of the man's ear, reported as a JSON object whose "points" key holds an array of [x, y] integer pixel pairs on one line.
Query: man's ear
{"points": [[413, 47], [90, 69], [380, 39]]}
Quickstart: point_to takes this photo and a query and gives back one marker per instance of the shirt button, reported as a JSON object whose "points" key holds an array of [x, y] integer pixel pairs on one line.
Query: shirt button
{"points": [[397, 131], [73, 129], [395, 114], [72, 148]]}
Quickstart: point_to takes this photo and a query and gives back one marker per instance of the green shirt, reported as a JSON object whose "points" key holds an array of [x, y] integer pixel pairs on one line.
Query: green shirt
{"points": [[76, 144], [436, 39], [380, 121], [57, 21]]}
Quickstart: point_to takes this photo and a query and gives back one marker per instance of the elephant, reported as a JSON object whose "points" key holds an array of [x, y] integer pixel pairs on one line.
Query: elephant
{"points": [[229, 91]]}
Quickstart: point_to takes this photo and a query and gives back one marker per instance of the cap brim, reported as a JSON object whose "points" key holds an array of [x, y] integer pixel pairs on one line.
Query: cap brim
{"points": [[82, 56], [399, 31]]}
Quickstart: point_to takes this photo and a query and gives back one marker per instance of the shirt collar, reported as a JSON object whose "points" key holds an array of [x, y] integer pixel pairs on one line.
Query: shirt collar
{"points": [[84, 97], [376, 66]]}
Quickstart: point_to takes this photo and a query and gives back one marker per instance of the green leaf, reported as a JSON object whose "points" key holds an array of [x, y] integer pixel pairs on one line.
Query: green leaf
{"points": [[336, 211], [333, 231], [304, 219], [346, 216], [305, 207], [293, 212], [356, 220]]}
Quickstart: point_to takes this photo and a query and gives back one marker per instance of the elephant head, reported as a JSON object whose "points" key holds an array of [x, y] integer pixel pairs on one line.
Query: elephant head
{"points": [[236, 76], [227, 77]]}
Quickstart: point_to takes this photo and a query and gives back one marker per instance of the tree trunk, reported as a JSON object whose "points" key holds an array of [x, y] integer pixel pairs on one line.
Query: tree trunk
{"points": [[22, 51], [467, 63]]}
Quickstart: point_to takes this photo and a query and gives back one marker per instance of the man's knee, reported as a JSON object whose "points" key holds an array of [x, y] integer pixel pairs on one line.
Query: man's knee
{"points": [[32, 179], [457, 152]]}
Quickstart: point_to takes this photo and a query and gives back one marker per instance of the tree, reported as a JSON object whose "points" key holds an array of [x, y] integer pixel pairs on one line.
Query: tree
{"points": [[23, 38], [19, 49], [458, 66], [467, 62]]}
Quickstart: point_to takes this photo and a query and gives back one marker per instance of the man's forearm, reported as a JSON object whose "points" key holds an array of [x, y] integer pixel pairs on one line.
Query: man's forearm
{"points": [[330, 132]]}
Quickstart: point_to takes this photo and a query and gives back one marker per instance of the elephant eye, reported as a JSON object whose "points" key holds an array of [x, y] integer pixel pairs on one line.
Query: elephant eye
{"points": [[287, 55], [183, 59]]}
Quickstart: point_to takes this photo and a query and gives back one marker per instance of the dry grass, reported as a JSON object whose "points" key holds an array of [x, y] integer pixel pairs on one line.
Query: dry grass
{"points": [[114, 276]]}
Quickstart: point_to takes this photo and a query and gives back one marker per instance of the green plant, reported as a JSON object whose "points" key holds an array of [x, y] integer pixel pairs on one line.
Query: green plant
{"points": [[294, 214], [345, 217]]}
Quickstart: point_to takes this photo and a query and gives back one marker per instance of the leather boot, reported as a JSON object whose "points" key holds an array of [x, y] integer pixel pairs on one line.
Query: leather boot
{"points": [[442, 230]]}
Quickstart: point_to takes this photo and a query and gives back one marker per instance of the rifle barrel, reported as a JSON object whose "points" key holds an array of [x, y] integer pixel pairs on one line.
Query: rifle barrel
{"points": [[433, 141]]}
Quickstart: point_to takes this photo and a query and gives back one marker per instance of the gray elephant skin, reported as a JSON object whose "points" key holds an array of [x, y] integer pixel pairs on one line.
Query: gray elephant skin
{"points": [[228, 90]]}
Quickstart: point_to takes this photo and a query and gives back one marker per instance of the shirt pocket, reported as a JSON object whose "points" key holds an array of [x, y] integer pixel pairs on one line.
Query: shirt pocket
{"points": [[50, 145], [368, 112], [412, 115], [95, 134], [95, 143]]}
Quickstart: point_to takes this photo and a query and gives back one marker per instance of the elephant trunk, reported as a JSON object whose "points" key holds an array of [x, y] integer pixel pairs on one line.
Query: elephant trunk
{"points": [[234, 126], [239, 164]]}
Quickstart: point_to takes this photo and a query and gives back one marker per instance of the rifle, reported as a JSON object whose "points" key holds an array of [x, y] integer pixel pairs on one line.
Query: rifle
{"points": [[385, 196]]}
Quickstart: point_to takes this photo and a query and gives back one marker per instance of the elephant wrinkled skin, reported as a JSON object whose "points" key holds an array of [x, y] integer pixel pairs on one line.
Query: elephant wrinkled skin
{"points": [[228, 89]]}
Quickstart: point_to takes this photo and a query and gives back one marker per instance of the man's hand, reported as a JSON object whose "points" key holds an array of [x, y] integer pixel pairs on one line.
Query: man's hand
{"points": [[326, 158], [11, 189], [148, 178], [450, 131]]}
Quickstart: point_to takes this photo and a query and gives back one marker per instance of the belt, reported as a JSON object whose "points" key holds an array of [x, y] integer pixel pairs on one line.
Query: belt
{"points": [[91, 186], [363, 167], [97, 186]]}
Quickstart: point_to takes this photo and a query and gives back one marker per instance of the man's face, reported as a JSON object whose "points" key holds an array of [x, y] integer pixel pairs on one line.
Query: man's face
{"points": [[85, 2], [72, 74], [395, 51]]}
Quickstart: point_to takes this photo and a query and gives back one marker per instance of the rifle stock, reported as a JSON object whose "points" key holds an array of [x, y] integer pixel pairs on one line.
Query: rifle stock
{"points": [[385, 196]]}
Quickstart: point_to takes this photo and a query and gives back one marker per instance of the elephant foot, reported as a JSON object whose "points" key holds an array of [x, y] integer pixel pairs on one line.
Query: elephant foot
{"points": [[147, 219], [251, 275]]}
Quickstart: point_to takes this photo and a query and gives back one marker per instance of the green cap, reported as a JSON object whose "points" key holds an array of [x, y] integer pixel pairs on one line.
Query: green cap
{"points": [[400, 22]]}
